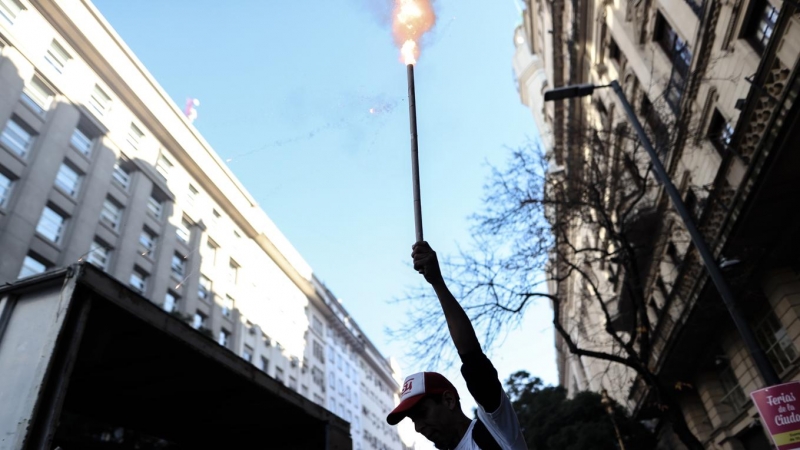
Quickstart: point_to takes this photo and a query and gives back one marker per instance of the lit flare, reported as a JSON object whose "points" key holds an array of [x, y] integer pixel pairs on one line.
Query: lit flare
{"points": [[412, 19]]}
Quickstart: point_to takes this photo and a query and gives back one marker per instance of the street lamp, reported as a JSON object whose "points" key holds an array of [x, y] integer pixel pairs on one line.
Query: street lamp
{"points": [[756, 352]]}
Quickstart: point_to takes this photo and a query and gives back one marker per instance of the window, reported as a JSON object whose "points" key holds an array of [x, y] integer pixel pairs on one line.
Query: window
{"points": [[155, 205], [68, 179], [215, 216], [178, 265], [171, 302], [17, 137], [317, 325], [122, 174], [148, 239], [198, 320], [317, 376], [138, 280], [233, 272], [678, 52], [293, 383], [32, 265], [37, 95], [183, 231], [227, 306], [264, 364], [733, 393], [5, 188], [111, 214], [51, 224], [57, 56], [279, 375], [81, 141], [762, 23], [100, 101], [99, 254], [720, 132], [204, 288], [319, 400], [135, 136], [772, 337], [191, 196], [224, 337], [614, 53], [212, 248], [247, 353], [10, 9], [164, 166], [332, 380], [318, 352]]}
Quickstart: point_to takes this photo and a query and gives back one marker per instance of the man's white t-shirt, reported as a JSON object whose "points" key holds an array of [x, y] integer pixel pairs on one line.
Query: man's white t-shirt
{"points": [[502, 424]]}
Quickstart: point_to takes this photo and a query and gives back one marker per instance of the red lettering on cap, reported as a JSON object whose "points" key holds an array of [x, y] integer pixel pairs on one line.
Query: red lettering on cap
{"points": [[406, 387]]}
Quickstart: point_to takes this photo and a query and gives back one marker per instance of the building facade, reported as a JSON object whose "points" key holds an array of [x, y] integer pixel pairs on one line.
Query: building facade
{"points": [[97, 164], [714, 84]]}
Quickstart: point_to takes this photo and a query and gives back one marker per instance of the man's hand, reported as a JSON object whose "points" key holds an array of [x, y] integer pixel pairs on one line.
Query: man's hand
{"points": [[425, 262]]}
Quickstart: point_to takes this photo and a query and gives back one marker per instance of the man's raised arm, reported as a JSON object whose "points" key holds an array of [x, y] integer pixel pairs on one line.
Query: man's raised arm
{"points": [[458, 322]]}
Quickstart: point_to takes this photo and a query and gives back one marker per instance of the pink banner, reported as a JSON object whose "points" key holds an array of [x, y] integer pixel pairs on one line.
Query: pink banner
{"points": [[779, 407]]}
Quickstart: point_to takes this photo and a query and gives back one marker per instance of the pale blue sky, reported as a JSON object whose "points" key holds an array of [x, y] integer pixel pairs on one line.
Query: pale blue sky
{"points": [[286, 89]]}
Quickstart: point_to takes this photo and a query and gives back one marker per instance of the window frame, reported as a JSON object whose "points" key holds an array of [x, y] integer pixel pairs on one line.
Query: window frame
{"points": [[720, 132], [25, 265], [171, 299], [178, 265], [8, 15], [6, 188], [57, 56], [205, 290], [152, 239], [143, 276], [120, 212], [50, 212], [134, 137], [121, 175], [18, 126], [99, 247], [759, 11], [100, 101], [183, 231], [71, 191], [37, 103], [78, 142]]}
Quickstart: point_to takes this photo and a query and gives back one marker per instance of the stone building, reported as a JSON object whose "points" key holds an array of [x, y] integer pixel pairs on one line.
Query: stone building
{"points": [[98, 164], [715, 85]]}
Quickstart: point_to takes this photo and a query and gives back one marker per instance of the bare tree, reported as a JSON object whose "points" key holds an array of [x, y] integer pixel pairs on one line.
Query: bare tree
{"points": [[588, 236]]}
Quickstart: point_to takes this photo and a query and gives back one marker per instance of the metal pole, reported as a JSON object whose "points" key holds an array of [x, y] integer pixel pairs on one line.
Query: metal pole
{"points": [[756, 352], [412, 114]]}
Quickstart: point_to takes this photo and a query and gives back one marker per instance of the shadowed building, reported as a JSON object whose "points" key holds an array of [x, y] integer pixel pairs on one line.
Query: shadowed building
{"points": [[715, 85]]}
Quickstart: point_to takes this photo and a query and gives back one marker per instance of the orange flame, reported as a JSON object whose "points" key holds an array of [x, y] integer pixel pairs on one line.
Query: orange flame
{"points": [[412, 19]]}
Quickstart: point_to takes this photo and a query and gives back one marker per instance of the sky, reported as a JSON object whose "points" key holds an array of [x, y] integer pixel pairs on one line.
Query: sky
{"points": [[305, 101]]}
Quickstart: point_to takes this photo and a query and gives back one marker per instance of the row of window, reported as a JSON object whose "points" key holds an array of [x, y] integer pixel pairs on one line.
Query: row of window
{"points": [[757, 30]]}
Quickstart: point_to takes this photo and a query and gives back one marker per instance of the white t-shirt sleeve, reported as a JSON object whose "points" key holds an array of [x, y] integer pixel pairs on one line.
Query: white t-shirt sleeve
{"points": [[503, 425]]}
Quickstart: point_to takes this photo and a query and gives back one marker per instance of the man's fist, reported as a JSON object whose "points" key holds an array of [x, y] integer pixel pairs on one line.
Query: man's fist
{"points": [[425, 262]]}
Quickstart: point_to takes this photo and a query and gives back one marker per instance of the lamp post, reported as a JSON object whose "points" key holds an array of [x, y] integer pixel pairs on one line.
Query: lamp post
{"points": [[756, 352]]}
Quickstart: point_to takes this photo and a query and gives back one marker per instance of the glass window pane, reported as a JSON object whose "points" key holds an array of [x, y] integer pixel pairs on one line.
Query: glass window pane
{"points": [[111, 214], [31, 266], [99, 255], [5, 189], [51, 225], [81, 142], [100, 101], [68, 180], [36, 95], [16, 137]]}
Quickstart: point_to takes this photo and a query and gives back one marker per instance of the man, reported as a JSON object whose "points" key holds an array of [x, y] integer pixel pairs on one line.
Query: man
{"points": [[431, 401]]}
